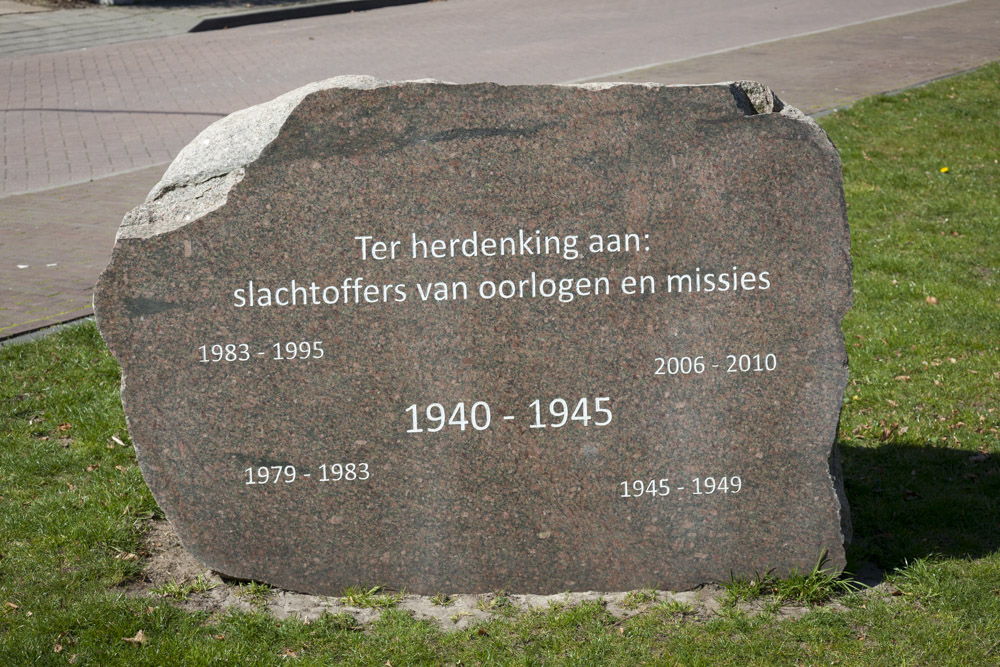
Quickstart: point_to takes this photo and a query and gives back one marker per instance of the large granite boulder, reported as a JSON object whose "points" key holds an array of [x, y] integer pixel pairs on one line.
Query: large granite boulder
{"points": [[467, 337]]}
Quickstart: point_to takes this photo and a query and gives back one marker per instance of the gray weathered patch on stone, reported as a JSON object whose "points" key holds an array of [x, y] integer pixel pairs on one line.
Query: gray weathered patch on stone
{"points": [[760, 96], [199, 179], [719, 184]]}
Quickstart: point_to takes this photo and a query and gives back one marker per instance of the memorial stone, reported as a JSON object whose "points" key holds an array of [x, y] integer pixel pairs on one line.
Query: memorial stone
{"points": [[468, 337]]}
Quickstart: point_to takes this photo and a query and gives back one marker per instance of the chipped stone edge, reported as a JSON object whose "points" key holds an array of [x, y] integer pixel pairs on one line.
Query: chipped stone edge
{"points": [[200, 178]]}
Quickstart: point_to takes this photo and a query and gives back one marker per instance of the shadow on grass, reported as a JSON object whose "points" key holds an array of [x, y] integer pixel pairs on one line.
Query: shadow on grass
{"points": [[911, 499]]}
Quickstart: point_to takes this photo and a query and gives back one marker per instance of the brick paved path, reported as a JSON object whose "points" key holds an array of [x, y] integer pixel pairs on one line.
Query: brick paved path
{"points": [[77, 115], [835, 68], [86, 114], [30, 29], [54, 244]]}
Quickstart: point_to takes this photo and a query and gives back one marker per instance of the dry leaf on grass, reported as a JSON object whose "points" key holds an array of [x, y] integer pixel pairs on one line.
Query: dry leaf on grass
{"points": [[140, 638]]}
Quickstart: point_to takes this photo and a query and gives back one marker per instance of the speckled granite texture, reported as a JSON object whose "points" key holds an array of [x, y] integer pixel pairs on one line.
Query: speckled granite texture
{"points": [[717, 176]]}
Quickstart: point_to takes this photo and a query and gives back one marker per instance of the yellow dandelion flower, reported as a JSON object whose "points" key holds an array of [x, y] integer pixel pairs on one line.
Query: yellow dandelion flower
{"points": [[944, 170]]}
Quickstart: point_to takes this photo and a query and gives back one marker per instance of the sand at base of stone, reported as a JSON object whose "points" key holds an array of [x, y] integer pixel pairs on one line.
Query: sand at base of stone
{"points": [[168, 562]]}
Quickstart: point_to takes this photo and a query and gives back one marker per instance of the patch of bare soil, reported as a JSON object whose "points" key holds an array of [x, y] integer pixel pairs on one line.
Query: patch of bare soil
{"points": [[168, 562]]}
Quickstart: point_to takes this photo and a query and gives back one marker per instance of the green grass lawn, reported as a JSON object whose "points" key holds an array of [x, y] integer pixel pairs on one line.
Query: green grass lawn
{"points": [[919, 435]]}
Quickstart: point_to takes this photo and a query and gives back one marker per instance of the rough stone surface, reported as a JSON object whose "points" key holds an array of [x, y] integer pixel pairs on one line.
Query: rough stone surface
{"points": [[711, 180]]}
